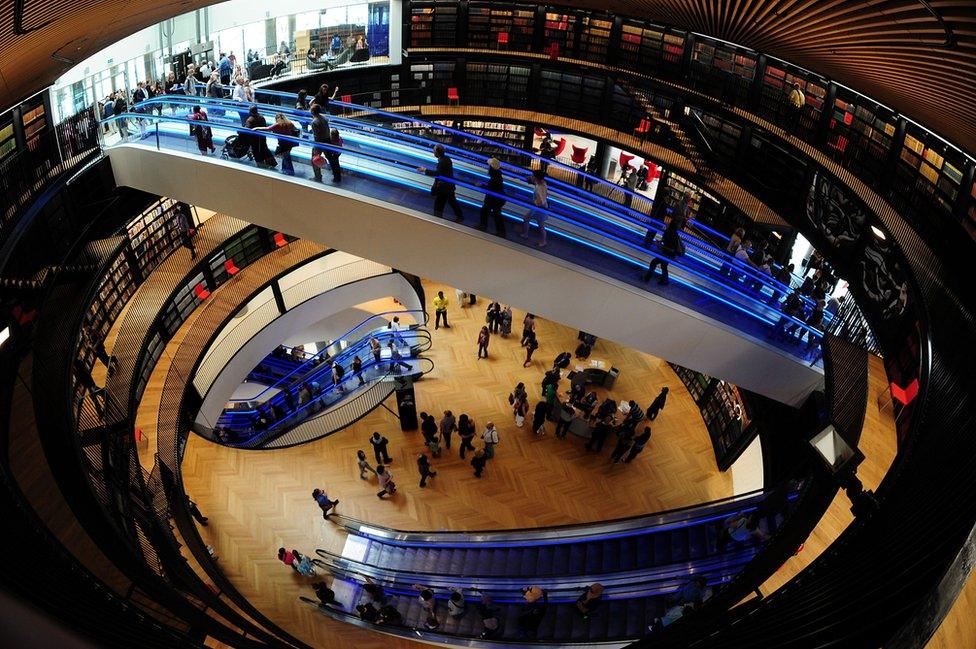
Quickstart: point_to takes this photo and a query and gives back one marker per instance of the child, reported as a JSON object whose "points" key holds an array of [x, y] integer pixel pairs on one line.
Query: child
{"points": [[363, 465]]}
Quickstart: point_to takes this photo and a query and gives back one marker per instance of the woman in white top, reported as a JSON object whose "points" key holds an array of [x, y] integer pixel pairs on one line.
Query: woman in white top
{"points": [[540, 199]]}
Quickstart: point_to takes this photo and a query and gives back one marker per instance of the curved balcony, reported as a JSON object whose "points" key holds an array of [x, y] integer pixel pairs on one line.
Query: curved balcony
{"points": [[588, 230]]}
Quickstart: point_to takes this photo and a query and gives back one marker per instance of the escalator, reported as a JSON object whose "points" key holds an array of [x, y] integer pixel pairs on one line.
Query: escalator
{"points": [[643, 564]]}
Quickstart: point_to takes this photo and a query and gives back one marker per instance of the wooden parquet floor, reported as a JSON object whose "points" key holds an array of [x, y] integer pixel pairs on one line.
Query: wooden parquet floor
{"points": [[258, 501]]}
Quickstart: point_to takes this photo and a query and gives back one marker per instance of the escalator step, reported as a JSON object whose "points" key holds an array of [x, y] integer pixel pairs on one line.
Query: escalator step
{"points": [[662, 548], [560, 559], [594, 557], [611, 615], [544, 560], [679, 545], [635, 625], [712, 533], [644, 551], [611, 555], [696, 542], [577, 559], [425, 560], [442, 559], [496, 561], [456, 565], [509, 617], [529, 561], [627, 554], [470, 564], [580, 627], [561, 617]]}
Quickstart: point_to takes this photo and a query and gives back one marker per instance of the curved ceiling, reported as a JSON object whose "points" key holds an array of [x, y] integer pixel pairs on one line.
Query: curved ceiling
{"points": [[917, 56]]}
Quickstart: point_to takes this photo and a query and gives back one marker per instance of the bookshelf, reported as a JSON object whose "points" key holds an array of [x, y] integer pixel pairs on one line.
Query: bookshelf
{"points": [[561, 28], [558, 90], [513, 135], [116, 286], [724, 70], [595, 38], [154, 234], [723, 135], [34, 121], [433, 23], [650, 48], [929, 175], [421, 25], [490, 84], [861, 133], [244, 249], [778, 80], [487, 20], [8, 143], [696, 382], [181, 306]]}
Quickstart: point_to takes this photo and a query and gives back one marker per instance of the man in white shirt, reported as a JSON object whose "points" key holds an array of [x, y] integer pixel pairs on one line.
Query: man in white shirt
{"points": [[490, 438]]}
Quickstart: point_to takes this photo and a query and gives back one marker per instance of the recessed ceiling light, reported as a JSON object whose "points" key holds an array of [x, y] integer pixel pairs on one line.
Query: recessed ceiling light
{"points": [[4, 335], [878, 233]]}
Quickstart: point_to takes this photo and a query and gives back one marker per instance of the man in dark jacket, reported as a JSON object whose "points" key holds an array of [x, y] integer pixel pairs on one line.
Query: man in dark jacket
{"points": [[671, 247], [493, 204], [443, 190], [320, 133], [657, 405]]}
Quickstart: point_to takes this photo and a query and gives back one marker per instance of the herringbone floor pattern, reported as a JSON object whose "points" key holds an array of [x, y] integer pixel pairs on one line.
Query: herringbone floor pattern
{"points": [[258, 501]]}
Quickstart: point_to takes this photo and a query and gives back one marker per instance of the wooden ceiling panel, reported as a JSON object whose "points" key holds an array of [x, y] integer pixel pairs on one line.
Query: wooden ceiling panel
{"points": [[892, 50]]}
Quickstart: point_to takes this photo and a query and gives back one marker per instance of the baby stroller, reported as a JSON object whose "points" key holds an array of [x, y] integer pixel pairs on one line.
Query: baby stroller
{"points": [[236, 148]]}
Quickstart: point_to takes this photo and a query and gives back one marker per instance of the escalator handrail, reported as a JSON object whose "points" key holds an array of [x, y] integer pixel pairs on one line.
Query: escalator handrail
{"points": [[736, 287], [557, 533], [740, 555], [317, 372], [274, 431], [308, 362]]}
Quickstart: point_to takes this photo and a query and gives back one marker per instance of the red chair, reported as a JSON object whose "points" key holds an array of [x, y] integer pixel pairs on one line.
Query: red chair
{"points": [[579, 154], [560, 147], [643, 128], [625, 159], [653, 171], [452, 95], [502, 40], [201, 291], [280, 240], [231, 268]]}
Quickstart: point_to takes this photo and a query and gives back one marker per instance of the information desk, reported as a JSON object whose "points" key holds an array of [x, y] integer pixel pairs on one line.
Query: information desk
{"points": [[595, 372]]}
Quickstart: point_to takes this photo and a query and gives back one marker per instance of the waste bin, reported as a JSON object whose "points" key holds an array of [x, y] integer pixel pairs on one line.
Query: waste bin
{"points": [[406, 403], [611, 378]]}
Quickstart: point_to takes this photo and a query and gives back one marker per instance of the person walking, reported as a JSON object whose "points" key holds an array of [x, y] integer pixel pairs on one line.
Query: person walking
{"points": [[224, 67], [483, 338], [364, 466], [396, 358], [357, 369], [493, 316], [443, 190], [202, 133], [640, 441], [447, 426], [323, 98], [428, 429], [440, 310], [478, 462], [519, 400], [493, 203], [797, 100], [283, 126], [385, 479], [324, 503], [490, 438], [530, 347], [540, 202], [374, 346], [625, 440], [321, 134], [589, 601], [599, 434], [657, 405], [565, 418], [426, 471], [332, 155], [528, 328], [550, 394], [259, 144], [505, 321], [539, 418], [671, 247], [380, 451], [466, 431]]}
